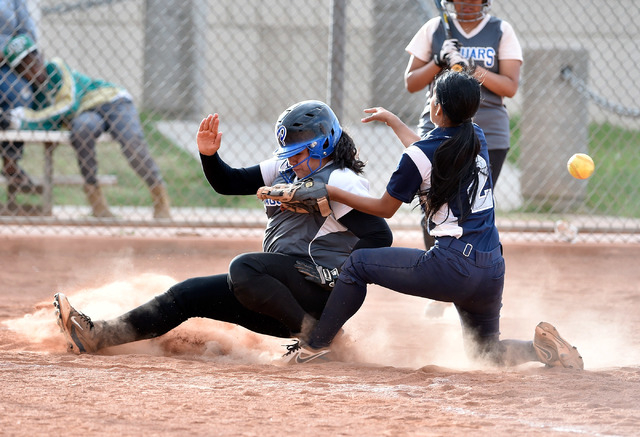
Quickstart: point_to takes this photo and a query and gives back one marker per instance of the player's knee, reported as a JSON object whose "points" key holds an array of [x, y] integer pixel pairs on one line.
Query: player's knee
{"points": [[243, 273], [352, 271], [241, 269], [86, 125]]}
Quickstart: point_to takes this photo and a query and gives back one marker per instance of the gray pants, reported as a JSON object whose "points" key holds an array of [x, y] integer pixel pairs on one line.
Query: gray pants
{"points": [[121, 120]]}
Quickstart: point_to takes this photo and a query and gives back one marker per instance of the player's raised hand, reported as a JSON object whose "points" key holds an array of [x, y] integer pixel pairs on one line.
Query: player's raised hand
{"points": [[379, 114], [449, 47], [208, 138], [405, 134]]}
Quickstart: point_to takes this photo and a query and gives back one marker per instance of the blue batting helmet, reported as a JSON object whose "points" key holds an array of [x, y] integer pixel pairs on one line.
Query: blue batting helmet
{"points": [[310, 124]]}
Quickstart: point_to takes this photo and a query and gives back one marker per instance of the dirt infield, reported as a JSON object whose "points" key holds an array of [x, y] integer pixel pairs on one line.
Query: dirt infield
{"points": [[411, 377]]}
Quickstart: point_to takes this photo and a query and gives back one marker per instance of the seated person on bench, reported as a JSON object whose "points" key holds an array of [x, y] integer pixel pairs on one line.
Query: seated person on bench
{"points": [[66, 98], [14, 91]]}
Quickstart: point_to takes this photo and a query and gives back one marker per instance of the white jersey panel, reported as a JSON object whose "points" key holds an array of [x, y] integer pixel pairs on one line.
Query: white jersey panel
{"points": [[446, 221], [422, 163], [420, 44], [510, 47], [349, 181], [270, 170]]}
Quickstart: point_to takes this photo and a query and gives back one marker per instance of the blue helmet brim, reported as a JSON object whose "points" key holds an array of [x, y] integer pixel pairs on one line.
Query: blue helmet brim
{"points": [[290, 150]]}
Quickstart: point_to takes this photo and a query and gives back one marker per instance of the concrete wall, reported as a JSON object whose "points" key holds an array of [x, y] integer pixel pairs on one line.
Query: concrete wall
{"points": [[608, 31], [554, 126]]}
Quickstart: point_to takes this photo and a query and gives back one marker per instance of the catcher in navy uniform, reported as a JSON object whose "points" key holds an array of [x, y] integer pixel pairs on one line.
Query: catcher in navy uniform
{"points": [[449, 171], [489, 47], [278, 292]]}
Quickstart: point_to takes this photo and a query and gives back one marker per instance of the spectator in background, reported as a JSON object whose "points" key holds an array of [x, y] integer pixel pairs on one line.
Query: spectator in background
{"points": [[66, 98], [485, 43], [14, 91]]}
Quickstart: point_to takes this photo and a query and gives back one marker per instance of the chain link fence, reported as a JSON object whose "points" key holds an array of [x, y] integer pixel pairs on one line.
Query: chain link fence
{"points": [[183, 59]]}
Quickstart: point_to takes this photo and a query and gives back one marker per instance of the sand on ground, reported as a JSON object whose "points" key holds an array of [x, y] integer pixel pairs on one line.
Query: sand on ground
{"points": [[410, 377]]}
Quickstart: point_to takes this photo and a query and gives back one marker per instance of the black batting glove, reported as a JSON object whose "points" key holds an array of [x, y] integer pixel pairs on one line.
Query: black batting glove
{"points": [[320, 275], [449, 46]]}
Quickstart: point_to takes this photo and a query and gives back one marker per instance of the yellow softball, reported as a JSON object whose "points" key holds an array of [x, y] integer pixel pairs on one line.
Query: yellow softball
{"points": [[581, 166]]}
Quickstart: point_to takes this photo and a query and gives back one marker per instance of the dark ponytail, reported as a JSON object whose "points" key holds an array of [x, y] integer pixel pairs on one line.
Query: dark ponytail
{"points": [[454, 167]]}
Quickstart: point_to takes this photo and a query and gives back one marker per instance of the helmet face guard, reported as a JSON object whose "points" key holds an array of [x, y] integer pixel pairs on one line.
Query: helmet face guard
{"points": [[450, 7], [310, 125], [287, 171]]}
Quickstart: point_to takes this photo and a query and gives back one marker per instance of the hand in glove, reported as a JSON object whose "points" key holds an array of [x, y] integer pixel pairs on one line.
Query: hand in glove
{"points": [[449, 47], [306, 196], [457, 62], [318, 274]]}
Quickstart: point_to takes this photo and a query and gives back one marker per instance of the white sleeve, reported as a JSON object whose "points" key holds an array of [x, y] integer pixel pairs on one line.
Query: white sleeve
{"points": [[270, 170], [349, 181], [509, 44], [420, 44]]}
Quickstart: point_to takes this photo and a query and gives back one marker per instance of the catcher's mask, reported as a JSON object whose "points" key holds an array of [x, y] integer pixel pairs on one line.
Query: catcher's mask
{"points": [[450, 7], [311, 125]]}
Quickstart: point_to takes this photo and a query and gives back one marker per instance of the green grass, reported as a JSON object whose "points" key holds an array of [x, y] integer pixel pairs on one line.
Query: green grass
{"points": [[514, 151], [614, 188]]}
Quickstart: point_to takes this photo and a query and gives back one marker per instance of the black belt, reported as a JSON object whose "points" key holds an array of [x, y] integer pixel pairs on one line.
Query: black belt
{"points": [[467, 250]]}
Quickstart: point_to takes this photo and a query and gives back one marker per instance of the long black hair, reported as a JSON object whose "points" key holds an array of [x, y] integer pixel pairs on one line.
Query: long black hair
{"points": [[345, 154], [454, 165]]}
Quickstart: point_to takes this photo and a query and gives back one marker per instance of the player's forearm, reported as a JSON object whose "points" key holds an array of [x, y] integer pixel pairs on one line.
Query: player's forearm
{"points": [[372, 231], [419, 78], [370, 205], [499, 84], [230, 181], [405, 134]]}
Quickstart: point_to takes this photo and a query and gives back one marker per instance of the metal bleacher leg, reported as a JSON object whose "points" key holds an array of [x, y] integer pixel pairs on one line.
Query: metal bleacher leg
{"points": [[47, 189], [12, 204]]}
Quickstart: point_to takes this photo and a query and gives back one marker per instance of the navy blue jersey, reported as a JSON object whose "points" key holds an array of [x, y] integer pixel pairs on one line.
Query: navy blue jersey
{"points": [[413, 175]]}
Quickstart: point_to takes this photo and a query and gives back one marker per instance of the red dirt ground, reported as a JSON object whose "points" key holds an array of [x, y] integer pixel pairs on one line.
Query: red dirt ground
{"points": [[411, 377]]}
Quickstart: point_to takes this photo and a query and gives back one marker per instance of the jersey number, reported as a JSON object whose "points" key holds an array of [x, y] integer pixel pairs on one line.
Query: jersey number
{"points": [[484, 198]]}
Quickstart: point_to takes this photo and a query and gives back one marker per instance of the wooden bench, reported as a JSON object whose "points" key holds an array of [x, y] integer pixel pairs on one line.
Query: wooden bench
{"points": [[50, 140]]}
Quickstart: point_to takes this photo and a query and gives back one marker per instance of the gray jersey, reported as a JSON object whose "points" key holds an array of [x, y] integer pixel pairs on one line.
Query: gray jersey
{"points": [[321, 239], [491, 41]]}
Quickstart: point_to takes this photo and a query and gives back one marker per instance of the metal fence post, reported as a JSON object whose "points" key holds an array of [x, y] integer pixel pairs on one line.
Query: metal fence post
{"points": [[337, 41], [173, 57]]}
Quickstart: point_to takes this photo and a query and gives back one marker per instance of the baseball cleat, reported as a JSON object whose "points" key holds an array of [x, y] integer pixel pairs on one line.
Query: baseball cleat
{"points": [[77, 328], [553, 350], [300, 353]]}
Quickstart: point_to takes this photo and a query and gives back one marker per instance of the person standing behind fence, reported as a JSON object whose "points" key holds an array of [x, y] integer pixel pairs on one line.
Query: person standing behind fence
{"points": [[14, 91], [64, 97], [489, 45]]}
